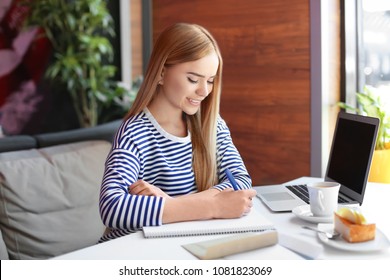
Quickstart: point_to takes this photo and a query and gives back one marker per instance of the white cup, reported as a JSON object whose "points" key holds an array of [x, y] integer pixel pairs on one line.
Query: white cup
{"points": [[323, 198]]}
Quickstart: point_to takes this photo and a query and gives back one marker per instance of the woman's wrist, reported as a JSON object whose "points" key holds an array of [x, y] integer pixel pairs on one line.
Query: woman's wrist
{"points": [[196, 206]]}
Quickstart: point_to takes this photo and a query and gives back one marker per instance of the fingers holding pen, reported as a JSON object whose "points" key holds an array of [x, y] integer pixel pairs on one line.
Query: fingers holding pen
{"points": [[249, 194], [246, 206], [252, 193], [234, 204], [250, 202], [235, 186]]}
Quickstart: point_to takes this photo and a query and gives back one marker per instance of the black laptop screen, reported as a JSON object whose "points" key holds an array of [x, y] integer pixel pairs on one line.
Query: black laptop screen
{"points": [[351, 156]]}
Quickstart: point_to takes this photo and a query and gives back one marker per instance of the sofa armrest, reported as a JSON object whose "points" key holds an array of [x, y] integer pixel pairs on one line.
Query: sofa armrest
{"points": [[101, 132], [25, 142], [3, 248], [16, 143]]}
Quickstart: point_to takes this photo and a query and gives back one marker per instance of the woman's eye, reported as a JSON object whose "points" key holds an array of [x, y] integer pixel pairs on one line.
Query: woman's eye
{"points": [[210, 82], [192, 81]]}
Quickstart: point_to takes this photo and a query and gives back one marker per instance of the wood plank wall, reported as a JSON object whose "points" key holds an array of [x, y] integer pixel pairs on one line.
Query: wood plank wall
{"points": [[266, 79], [136, 38]]}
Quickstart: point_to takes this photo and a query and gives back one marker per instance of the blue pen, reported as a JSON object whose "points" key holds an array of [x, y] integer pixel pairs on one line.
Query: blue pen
{"points": [[231, 179]]}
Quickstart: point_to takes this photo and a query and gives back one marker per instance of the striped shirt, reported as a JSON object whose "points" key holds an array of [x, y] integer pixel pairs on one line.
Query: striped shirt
{"points": [[142, 149]]}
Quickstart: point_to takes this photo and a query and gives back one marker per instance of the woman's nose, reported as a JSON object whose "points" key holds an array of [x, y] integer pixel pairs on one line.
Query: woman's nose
{"points": [[203, 89]]}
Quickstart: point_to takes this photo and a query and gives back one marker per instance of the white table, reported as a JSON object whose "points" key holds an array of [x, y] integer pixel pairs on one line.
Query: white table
{"points": [[136, 247]]}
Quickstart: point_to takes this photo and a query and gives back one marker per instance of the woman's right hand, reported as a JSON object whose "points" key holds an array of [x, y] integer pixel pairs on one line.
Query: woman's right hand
{"points": [[208, 204], [142, 187], [233, 204]]}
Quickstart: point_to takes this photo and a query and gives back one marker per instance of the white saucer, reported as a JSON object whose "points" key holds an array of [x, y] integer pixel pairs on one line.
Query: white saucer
{"points": [[304, 213], [379, 243]]}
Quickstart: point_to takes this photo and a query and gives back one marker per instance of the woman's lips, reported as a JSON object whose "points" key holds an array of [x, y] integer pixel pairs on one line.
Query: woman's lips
{"points": [[194, 101]]}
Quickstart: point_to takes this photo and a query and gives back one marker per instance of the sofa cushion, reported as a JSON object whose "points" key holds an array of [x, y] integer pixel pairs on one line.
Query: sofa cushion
{"points": [[3, 249], [50, 199]]}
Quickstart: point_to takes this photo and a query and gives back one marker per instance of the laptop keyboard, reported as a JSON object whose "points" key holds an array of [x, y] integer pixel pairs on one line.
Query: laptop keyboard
{"points": [[302, 192]]}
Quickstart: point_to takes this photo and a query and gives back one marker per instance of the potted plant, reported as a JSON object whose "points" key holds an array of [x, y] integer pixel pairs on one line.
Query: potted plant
{"points": [[81, 53], [371, 102]]}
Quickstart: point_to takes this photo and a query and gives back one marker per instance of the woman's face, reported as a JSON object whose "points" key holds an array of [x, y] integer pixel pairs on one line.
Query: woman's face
{"points": [[186, 85]]}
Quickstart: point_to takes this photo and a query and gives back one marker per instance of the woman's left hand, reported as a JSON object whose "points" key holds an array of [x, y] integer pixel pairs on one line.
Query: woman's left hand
{"points": [[142, 187]]}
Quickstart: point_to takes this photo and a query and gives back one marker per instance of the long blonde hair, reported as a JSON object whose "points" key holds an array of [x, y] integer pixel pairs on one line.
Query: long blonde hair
{"points": [[179, 43]]}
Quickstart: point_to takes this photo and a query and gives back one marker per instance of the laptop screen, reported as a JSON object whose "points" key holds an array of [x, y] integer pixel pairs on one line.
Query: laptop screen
{"points": [[351, 153]]}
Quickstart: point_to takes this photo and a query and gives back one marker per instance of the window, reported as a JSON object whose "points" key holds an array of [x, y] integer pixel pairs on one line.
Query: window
{"points": [[350, 42], [365, 58], [376, 42]]}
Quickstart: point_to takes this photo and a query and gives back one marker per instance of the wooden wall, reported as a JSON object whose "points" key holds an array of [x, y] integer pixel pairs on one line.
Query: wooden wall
{"points": [[136, 38], [266, 79]]}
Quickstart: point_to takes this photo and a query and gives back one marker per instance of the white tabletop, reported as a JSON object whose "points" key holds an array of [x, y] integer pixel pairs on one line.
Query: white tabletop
{"points": [[291, 235]]}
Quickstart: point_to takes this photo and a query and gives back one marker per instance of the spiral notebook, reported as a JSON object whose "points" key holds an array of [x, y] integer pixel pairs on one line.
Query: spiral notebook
{"points": [[253, 222]]}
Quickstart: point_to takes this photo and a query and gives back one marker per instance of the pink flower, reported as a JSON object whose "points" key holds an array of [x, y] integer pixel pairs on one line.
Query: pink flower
{"points": [[19, 108]]}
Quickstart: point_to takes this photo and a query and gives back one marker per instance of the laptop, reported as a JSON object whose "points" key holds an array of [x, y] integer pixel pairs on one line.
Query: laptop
{"points": [[349, 164]]}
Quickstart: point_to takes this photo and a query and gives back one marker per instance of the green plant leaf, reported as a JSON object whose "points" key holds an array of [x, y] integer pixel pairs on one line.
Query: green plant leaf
{"points": [[82, 53], [369, 103]]}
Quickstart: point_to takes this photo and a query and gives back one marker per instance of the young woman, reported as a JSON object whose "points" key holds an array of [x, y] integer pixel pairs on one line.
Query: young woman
{"points": [[169, 157]]}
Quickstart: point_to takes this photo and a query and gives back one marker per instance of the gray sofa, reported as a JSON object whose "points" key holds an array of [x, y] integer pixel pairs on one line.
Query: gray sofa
{"points": [[49, 190]]}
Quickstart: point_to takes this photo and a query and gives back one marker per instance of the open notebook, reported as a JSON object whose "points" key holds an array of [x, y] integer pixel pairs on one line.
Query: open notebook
{"points": [[253, 222]]}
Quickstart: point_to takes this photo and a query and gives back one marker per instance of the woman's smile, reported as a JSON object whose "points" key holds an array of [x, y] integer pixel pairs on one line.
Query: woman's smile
{"points": [[194, 102]]}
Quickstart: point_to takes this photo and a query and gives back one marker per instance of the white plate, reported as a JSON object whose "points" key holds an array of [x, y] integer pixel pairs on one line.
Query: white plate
{"points": [[304, 213], [379, 243]]}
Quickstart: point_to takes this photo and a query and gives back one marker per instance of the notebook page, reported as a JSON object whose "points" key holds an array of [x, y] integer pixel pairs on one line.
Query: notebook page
{"points": [[252, 222]]}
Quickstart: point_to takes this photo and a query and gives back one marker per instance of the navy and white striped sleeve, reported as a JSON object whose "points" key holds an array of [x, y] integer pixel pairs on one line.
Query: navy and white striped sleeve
{"points": [[229, 157], [118, 208]]}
